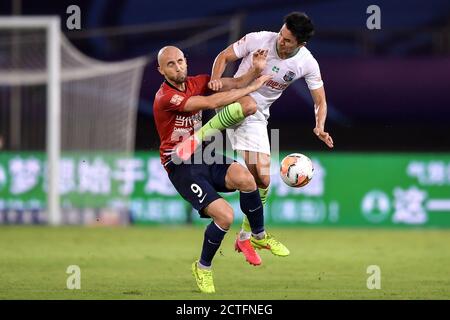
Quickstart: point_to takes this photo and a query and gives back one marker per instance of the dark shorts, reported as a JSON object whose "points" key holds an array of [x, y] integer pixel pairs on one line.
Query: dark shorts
{"points": [[199, 184]]}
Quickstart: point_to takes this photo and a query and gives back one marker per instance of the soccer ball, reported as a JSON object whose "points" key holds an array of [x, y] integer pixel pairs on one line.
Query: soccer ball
{"points": [[296, 170]]}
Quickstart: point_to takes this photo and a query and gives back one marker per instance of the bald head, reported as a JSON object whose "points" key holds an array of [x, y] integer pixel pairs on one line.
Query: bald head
{"points": [[168, 52], [172, 64]]}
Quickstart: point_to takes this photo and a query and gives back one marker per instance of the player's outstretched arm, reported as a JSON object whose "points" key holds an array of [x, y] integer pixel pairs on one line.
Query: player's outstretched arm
{"points": [[258, 65], [320, 110], [219, 99], [219, 65]]}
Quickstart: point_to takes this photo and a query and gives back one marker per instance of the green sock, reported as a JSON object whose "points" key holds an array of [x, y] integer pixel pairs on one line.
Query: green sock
{"points": [[245, 223], [230, 115], [263, 194]]}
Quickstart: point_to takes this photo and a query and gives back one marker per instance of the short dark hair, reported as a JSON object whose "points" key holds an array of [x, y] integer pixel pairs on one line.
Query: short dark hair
{"points": [[300, 25]]}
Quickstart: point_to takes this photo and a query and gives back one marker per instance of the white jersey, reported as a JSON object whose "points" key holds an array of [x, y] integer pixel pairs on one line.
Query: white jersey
{"points": [[284, 71]]}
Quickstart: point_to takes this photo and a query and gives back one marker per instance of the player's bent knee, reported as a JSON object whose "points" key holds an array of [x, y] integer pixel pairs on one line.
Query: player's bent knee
{"points": [[247, 182], [249, 108], [263, 181], [225, 219]]}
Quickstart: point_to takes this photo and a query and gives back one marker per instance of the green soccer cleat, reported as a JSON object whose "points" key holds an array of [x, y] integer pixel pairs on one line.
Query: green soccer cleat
{"points": [[272, 244], [204, 278]]}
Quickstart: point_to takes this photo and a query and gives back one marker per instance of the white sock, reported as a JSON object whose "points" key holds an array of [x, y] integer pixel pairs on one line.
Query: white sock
{"points": [[260, 235], [203, 267], [243, 235]]}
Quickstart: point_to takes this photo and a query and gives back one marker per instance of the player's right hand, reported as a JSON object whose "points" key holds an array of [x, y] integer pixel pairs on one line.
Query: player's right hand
{"points": [[258, 82], [215, 85], [324, 136], [260, 60]]}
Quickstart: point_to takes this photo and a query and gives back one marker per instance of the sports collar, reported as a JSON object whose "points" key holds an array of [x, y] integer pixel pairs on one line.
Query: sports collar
{"points": [[173, 87]]}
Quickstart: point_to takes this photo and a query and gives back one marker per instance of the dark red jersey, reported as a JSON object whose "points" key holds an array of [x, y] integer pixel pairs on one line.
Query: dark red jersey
{"points": [[172, 123]]}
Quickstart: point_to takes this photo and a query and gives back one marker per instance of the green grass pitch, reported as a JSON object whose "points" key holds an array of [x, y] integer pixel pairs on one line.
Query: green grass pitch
{"points": [[154, 263]]}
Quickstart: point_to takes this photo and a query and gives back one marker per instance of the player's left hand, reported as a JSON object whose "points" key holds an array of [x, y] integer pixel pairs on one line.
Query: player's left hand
{"points": [[324, 136], [260, 60]]}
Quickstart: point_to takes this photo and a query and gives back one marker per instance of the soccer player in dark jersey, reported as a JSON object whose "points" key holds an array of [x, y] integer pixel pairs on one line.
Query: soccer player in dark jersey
{"points": [[177, 111]]}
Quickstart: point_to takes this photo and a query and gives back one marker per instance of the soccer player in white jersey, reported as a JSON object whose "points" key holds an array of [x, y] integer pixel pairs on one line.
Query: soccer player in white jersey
{"points": [[288, 59]]}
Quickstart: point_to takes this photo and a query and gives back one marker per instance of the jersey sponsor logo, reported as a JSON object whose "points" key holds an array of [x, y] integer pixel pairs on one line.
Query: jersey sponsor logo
{"points": [[176, 99], [275, 69], [179, 134], [289, 76], [275, 85], [187, 121], [185, 125]]}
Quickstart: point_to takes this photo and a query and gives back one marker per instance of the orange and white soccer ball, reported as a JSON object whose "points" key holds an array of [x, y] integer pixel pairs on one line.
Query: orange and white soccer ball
{"points": [[296, 170]]}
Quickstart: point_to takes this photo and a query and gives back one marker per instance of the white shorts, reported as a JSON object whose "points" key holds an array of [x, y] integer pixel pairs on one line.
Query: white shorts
{"points": [[250, 136]]}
